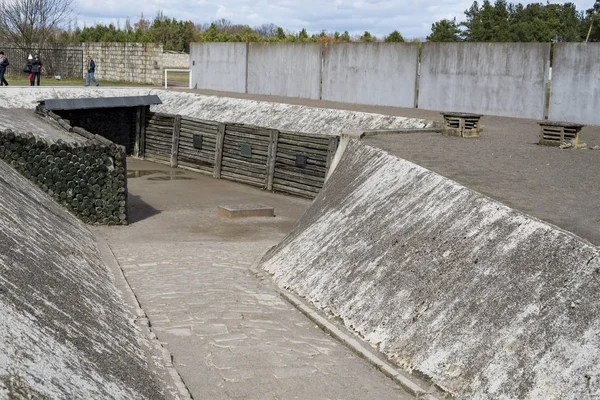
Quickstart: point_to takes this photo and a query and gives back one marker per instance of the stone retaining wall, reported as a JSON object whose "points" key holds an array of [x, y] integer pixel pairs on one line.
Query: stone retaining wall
{"points": [[87, 179]]}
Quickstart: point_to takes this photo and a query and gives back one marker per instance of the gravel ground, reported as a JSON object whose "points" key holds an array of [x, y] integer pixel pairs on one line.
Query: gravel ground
{"points": [[559, 186]]}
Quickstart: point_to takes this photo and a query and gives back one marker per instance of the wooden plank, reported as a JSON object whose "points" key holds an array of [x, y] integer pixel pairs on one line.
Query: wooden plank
{"points": [[191, 132], [243, 136], [209, 155], [254, 168], [295, 185], [208, 165], [143, 133], [291, 160], [244, 172], [331, 150], [239, 140], [203, 128], [138, 130], [192, 120], [158, 140], [303, 144], [311, 153], [271, 159], [244, 128], [242, 179], [235, 154], [294, 191], [196, 168], [299, 177], [175, 144], [219, 150]]}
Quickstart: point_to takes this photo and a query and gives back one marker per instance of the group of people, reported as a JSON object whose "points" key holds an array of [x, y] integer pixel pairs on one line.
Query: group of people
{"points": [[34, 69]]}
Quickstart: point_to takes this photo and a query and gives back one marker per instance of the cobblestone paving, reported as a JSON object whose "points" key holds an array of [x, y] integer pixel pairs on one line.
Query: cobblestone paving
{"points": [[231, 335]]}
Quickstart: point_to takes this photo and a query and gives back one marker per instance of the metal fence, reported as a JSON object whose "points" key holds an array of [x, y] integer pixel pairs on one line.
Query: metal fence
{"points": [[66, 63]]}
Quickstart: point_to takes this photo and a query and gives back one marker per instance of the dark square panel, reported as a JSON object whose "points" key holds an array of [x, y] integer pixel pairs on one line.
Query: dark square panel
{"points": [[198, 141]]}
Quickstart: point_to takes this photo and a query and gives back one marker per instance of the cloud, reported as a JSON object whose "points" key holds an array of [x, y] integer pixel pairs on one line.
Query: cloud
{"points": [[413, 18]]}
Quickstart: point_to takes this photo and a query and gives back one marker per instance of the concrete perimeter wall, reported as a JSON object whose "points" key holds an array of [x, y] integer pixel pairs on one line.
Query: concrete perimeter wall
{"points": [[285, 69], [487, 301], [575, 88], [64, 330], [371, 73], [505, 79], [219, 66]]}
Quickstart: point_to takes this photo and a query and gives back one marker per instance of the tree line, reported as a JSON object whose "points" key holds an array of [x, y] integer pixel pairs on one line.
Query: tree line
{"points": [[500, 21], [507, 22]]}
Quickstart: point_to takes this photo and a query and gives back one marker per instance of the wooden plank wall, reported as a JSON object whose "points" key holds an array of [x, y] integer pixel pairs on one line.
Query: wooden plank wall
{"points": [[272, 162], [159, 137], [202, 159]]}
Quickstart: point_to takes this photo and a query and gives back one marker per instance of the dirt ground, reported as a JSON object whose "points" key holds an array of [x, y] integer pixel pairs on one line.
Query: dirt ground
{"points": [[558, 186]]}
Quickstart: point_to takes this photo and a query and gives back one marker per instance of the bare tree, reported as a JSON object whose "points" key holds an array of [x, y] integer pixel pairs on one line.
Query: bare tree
{"points": [[25, 23], [266, 30]]}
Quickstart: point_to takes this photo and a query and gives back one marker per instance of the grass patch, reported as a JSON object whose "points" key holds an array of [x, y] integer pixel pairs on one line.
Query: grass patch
{"points": [[49, 81]]}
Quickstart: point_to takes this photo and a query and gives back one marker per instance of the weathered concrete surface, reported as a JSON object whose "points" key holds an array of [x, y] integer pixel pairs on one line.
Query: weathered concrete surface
{"points": [[285, 69], [371, 73], [219, 66], [64, 331], [506, 79], [488, 302], [231, 335], [226, 109], [575, 91], [20, 120]]}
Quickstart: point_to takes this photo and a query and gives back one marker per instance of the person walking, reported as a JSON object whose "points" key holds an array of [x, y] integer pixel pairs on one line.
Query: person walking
{"points": [[91, 68], [3, 64], [36, 70]]}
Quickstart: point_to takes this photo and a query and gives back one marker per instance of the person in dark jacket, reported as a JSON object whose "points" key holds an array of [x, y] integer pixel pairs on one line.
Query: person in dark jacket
{"points": [[36, 70], [3, 64], [91, 68]]}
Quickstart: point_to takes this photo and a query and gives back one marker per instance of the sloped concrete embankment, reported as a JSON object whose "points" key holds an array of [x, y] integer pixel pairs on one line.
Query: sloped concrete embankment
{"points": [[486, 301], [64, 331], [266, 114]]}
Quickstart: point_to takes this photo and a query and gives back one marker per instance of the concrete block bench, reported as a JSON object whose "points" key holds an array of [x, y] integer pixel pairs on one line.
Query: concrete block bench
{"points": [[461, 124], [553, 133]]}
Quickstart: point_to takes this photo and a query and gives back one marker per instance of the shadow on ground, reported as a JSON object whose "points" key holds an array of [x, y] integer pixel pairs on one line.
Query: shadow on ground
{"points": [[139, 210]]}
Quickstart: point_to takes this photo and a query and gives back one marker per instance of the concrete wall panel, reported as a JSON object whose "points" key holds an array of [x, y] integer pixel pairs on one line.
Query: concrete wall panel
{"points": [[575, 92], [219, 66], [371, 73], [505, 79], [285, 69]]}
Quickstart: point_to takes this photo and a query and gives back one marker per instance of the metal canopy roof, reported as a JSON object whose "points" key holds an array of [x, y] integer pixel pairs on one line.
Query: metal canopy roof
{"points": [[100, 102]]}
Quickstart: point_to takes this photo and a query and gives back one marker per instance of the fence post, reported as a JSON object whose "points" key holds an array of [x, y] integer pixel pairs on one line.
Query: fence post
{"points": [[219, 150], [331, 150], [175, 148], [138, 130], [142, 148], [271, 157]]}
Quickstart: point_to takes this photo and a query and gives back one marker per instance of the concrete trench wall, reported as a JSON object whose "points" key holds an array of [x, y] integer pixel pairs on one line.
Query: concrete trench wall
{"points": [[486, 301], [64, 332]]}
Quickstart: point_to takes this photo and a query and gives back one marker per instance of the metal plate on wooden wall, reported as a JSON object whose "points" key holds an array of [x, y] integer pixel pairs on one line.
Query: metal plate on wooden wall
{"points": [[197, 141], [301, 160], [246, 150]]}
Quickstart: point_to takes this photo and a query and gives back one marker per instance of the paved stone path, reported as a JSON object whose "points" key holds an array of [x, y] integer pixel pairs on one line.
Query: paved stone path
{"points": [[231, 335]]}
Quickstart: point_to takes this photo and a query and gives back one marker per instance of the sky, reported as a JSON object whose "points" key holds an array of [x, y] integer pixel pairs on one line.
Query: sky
{"points": [[412, 18]]}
